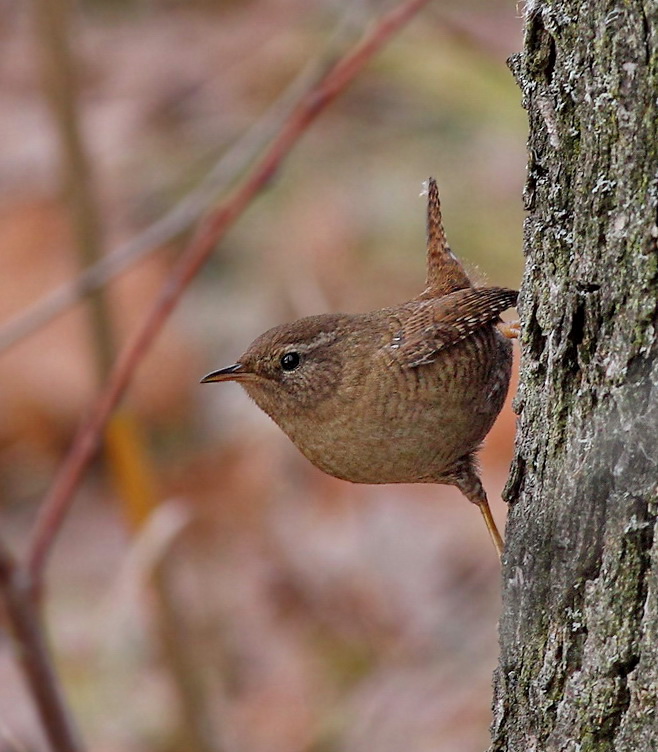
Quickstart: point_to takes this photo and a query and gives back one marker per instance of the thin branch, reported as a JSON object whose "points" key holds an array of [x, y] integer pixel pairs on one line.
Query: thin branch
{"points": [[34, 655], [188, 210], [59, 498]]}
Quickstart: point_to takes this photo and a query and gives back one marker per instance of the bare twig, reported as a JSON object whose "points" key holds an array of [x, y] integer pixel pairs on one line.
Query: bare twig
{"points": [[59, 498], [34, 655], [188, 210], [211, 230], [52, 23]]}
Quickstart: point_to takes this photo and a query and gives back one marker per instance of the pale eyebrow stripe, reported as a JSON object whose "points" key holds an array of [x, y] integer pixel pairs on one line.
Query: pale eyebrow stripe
{"points": [[320, 339]]}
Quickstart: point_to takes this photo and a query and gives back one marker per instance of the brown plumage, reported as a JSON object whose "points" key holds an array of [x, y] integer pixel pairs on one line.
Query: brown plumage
{"points": [[401, 395]]}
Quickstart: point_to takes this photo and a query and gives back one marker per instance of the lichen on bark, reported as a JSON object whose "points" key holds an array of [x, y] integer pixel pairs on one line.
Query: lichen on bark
{"points": [[579, 631]]}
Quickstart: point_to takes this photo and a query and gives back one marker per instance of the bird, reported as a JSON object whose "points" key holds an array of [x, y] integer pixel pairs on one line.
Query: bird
{"points": [[404, 394]]}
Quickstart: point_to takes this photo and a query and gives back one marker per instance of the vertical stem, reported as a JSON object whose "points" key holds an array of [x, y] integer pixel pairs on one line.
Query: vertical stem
{"points": [[53, 20], [198, 732]]}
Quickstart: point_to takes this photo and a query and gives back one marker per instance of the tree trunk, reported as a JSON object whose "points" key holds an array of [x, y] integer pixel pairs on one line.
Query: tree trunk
{"points": [[579, 631]]}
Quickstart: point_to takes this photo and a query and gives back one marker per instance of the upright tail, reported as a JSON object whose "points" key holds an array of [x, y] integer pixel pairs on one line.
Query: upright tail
{"points": [[445, 272]]}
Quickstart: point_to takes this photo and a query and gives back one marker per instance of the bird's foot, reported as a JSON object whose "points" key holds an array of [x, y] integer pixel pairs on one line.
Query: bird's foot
{"points": [[511, 329]]}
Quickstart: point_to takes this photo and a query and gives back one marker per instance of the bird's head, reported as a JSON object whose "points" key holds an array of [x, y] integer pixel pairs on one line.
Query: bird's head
{"points": [[292, 368]]}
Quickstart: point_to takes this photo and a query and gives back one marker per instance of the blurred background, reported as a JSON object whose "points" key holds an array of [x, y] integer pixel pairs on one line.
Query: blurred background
{"points": [[211, 591]]}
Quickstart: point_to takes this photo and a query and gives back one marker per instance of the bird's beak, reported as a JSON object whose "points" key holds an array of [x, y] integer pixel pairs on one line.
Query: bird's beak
{"points": [[236, 372]]}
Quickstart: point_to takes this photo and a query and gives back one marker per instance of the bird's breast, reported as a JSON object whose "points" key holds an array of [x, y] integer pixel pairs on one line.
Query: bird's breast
{"points": [[390, 424]]}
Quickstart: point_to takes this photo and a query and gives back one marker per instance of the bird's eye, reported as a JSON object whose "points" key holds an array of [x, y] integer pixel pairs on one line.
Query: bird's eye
{"points": [[290, 361]]}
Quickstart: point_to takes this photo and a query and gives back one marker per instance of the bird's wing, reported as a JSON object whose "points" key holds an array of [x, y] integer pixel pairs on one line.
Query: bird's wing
{"points": [[439, 323]]}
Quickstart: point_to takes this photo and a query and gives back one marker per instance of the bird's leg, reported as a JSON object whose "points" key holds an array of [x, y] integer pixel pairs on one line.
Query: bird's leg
{"points": [[489, 521], [511, 329], [465, 477]]}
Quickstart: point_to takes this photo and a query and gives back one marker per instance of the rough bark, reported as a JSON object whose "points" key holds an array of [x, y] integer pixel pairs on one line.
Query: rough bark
{"points": [[579, 632]]}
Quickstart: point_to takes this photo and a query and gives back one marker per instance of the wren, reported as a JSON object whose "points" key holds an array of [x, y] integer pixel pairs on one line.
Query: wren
{"points": [[405, 394]]}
